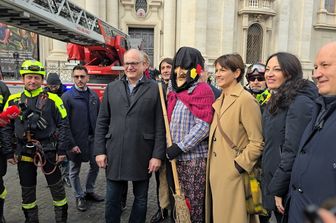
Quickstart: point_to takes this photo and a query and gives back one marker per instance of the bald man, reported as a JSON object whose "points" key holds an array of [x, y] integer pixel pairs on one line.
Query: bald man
{"points": [[130, 137], [313, 176]]}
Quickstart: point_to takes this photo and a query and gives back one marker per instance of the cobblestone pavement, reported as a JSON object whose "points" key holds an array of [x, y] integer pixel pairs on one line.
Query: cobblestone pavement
{"points": [[95, 212]]}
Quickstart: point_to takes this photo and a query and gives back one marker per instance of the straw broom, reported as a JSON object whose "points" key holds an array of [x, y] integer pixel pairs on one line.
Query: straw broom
{"points": [[182, 210]]}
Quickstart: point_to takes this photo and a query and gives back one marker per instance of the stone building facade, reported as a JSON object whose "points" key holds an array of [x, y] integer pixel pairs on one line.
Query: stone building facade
{"points": [[253, 28]]}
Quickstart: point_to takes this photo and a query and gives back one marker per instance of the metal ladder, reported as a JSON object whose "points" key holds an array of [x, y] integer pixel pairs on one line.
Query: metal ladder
{"points": [[57, 19]]}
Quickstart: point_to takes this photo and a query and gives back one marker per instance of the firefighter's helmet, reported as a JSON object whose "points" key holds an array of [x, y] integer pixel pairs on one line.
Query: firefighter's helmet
{"points": [[32, 67]]}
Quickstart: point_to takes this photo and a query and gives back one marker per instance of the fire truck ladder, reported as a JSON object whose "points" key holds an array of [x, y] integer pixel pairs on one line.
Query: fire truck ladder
{"points": [[57, 19]]}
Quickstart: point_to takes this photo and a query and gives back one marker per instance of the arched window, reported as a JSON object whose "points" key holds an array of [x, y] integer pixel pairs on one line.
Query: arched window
{"points": [[254, 44], [329, 5], [141, 4]]}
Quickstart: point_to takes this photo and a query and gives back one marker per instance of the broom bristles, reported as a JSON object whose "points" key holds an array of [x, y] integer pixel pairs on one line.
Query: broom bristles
{"points": [[182, 210]]}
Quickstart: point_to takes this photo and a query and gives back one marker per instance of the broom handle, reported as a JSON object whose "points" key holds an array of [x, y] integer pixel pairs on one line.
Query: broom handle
{"points": [[169, 140]]}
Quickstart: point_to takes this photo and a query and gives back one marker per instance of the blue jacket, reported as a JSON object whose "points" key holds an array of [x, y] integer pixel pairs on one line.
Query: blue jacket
{"points": [[81, 115], [282, 133], [314, 172]]}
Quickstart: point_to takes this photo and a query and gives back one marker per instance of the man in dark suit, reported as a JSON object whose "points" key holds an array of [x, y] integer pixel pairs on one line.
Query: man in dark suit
{"points": [[314, 170], [130, 137]]}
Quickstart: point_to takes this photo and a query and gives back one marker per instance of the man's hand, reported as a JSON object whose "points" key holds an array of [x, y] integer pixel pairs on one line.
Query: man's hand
{"points": [[60, 158], [278, 204], [76, 150], [101, 161], [326, 216], [154, 165], [13, 160]]}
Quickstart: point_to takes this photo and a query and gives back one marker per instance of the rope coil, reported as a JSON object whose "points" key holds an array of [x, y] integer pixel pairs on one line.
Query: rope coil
{"points": [[39, 159]]}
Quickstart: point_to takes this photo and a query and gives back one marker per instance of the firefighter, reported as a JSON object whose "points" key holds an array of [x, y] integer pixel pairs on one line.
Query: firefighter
{"points": [[257, 84], [4, 154], [41, 113], [255, 76]]}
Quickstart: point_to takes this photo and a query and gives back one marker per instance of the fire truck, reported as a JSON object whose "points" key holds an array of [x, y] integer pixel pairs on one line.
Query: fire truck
{"points": [[92, 42]]}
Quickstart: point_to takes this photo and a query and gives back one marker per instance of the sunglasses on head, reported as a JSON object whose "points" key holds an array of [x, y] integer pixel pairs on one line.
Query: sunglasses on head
{"points": [[256, 68], [253, 78]]}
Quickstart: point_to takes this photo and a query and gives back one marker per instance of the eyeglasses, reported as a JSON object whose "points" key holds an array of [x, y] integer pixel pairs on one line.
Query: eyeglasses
{"points": [[79, 76], [253, 78], [259, 68], [33, 68], [133, 64]]}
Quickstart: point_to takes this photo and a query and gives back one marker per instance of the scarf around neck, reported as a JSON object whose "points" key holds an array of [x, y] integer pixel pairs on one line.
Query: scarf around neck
{"points": [[199, 101]]}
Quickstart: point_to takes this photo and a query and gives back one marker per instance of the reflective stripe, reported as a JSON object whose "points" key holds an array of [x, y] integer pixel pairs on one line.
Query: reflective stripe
{"points": [[13, 97], [58, 103], [26, 159], [33, 93], [3, 194], [263, 97], [29, 206], [60, 203]]}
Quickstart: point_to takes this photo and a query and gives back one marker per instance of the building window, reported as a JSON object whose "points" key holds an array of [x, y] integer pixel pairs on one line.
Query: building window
{"points": [[141, 5], [254, 3], [330, 6], [254, 44]]}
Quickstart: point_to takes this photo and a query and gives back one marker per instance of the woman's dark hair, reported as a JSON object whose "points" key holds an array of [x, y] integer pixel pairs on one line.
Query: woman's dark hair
{"points": [[233, 62], [292, 71]]}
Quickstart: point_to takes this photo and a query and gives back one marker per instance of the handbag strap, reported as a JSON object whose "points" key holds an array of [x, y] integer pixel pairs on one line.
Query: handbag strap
{"points": [[226, 137]]}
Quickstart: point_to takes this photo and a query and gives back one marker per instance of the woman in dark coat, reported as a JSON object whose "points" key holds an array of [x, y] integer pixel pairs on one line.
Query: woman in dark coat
{"points": [[286, 115]]}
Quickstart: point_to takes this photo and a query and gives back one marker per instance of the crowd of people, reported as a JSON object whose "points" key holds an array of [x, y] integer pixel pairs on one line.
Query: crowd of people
{"points": [[279, 123]]}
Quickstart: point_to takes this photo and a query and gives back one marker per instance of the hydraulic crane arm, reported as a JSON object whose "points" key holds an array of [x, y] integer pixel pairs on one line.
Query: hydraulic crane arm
{"points": [[57, 19]]}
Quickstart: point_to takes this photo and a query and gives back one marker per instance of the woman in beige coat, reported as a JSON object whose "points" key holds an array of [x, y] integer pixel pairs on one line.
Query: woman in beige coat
{"points": [[240, 118]]}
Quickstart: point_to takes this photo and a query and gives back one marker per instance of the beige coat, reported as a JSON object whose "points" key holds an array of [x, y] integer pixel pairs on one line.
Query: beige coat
{"points": [[240, 119]]}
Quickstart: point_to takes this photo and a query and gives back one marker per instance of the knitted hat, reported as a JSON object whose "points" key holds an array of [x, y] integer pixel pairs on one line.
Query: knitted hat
{"points": [[53, 79]]}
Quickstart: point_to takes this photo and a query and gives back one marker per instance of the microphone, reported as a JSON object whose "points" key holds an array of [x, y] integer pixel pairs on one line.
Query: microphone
{"points": [[11, 112]]}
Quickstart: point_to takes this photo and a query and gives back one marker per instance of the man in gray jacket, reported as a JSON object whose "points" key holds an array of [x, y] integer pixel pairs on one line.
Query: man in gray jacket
{"points": [[130, 137]]}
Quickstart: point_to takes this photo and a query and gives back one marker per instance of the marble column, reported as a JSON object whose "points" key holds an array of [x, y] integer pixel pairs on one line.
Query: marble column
{"points": [[112, 12], [305, 32], [169, 28], [186, 22], [281, 40], [201, 26], [322, 6], [305, 37], [58, 51], [229, 26], [93, 6]]}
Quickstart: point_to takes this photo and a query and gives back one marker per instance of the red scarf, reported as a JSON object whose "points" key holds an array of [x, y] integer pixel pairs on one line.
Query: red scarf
{"points": [[147, 74], [199, 102]]}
